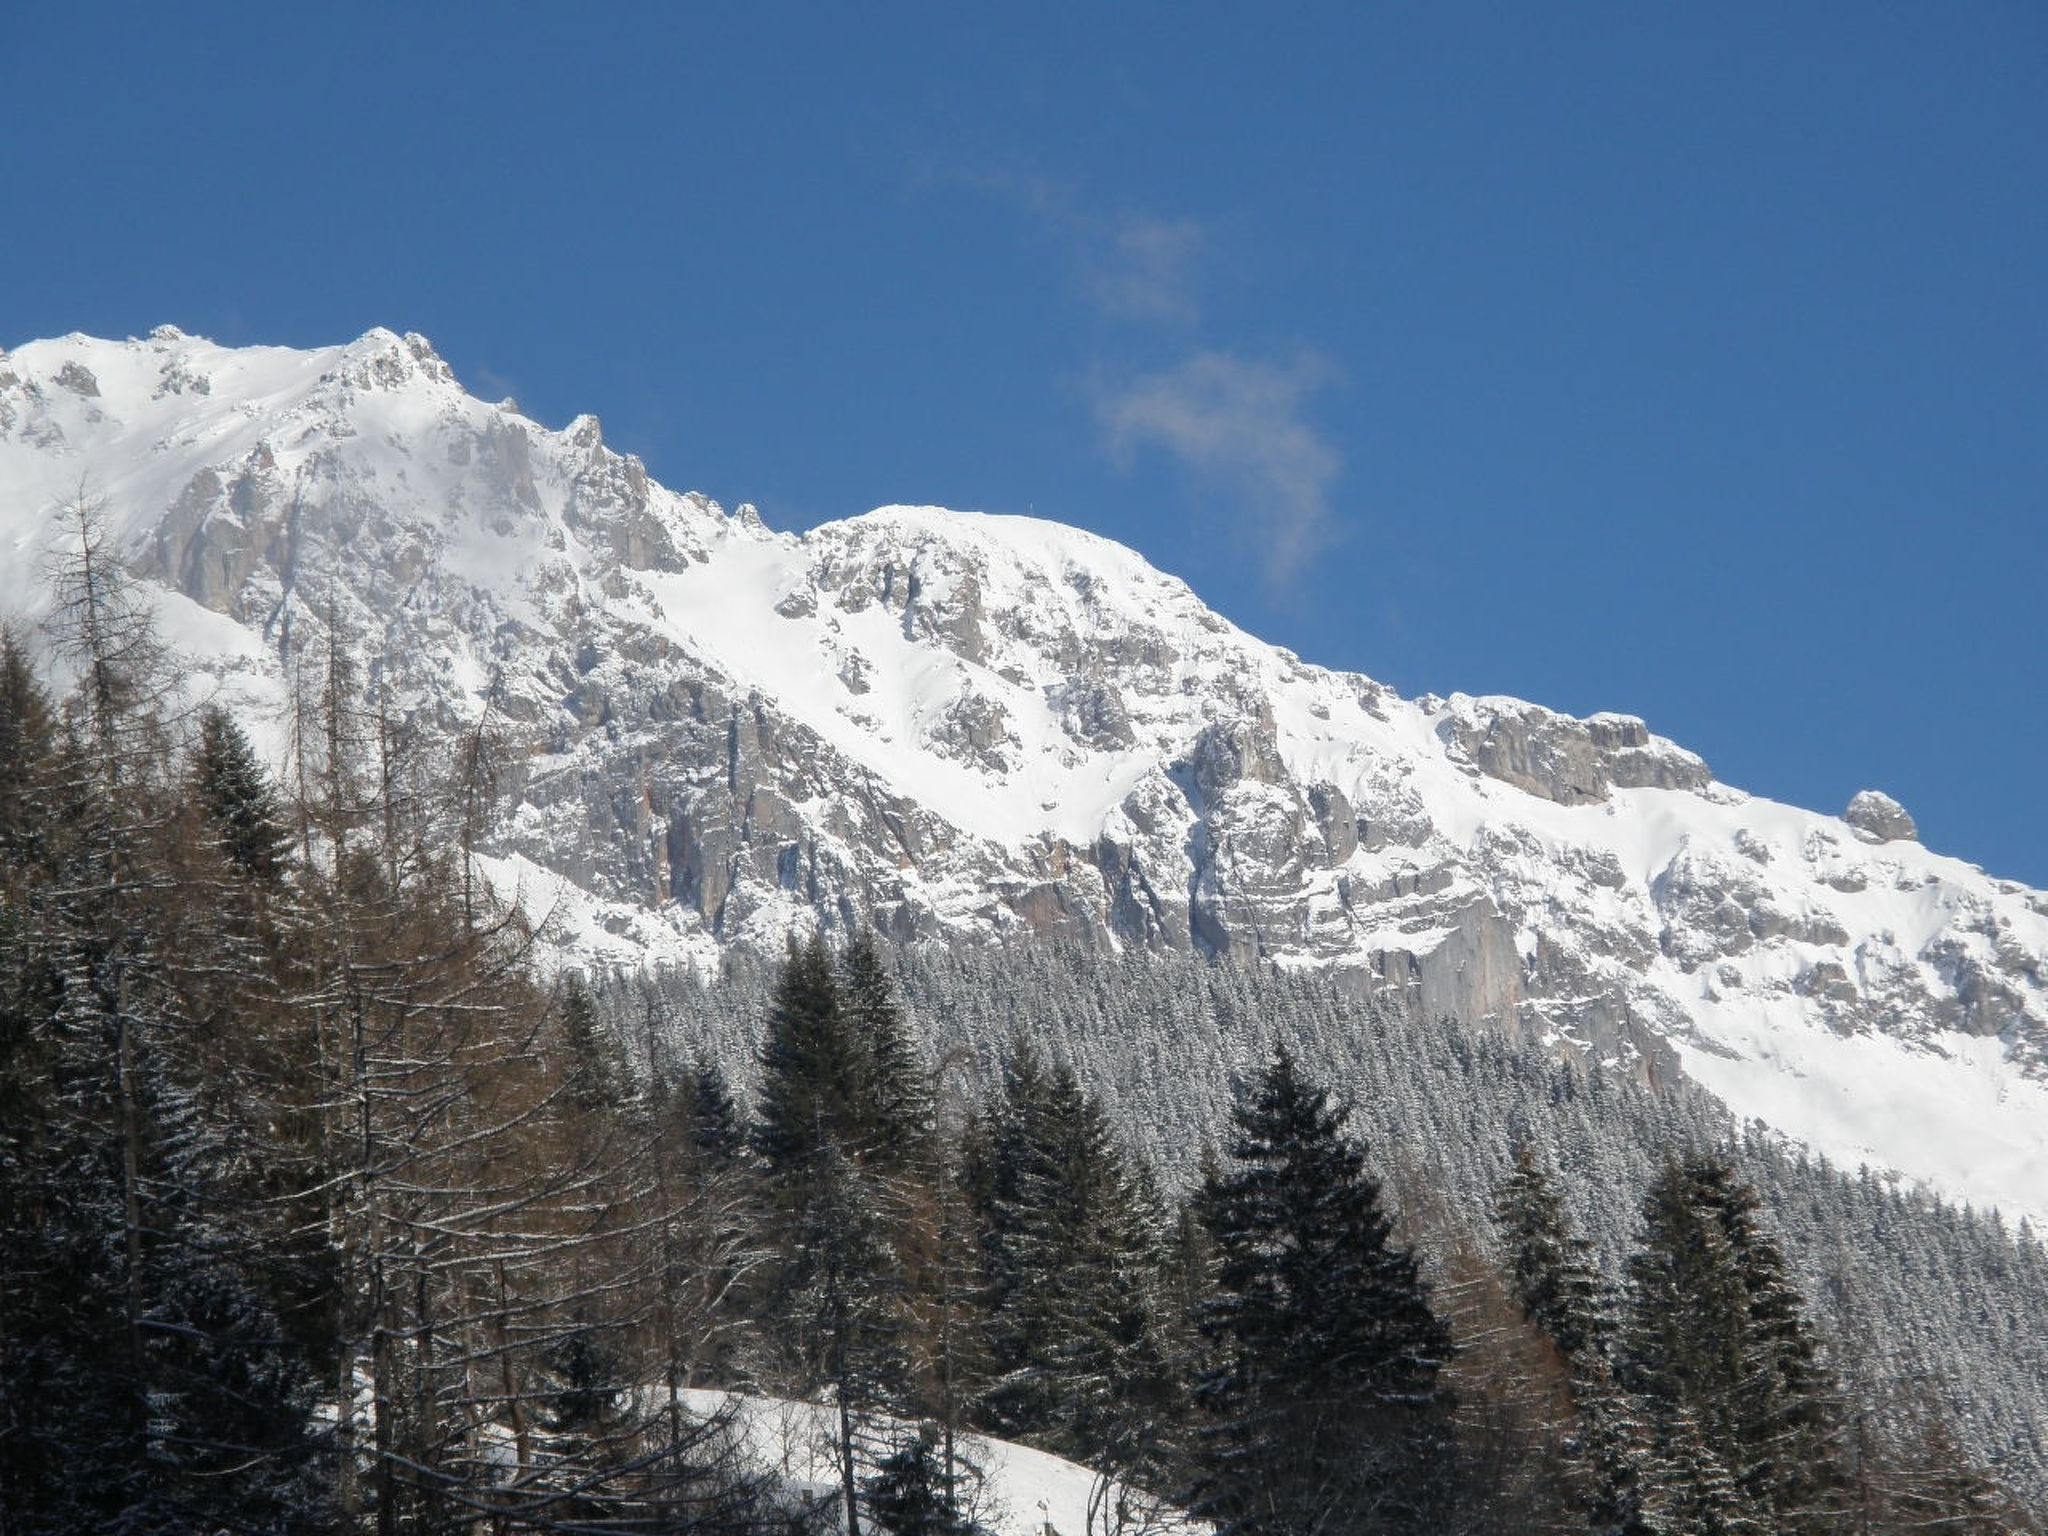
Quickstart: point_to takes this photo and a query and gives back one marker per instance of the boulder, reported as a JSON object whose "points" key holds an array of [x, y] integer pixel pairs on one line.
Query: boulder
{"points": [[1881, 818]]}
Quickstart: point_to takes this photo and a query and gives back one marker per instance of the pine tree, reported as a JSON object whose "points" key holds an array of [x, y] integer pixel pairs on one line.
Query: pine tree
{"points": [[238, 799], [596, 1078], [239, 922], [1017, 1166], [1790, 1405], [1079, 1300], [1551, 1272], [1553, 1279], [29, 754], [1689, 1491], [1717, 1334], [232, 1430], [1329, 1413], [28, 751], [715, 1128], [811, 1069], [897, 1110], [847, 1300], [1926, 1293], [912, 1493], [145, 1380]]}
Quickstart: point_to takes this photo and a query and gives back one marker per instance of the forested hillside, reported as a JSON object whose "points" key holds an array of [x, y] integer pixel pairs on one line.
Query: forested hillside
{"points": [[325, 1207], [1925, 1305]]}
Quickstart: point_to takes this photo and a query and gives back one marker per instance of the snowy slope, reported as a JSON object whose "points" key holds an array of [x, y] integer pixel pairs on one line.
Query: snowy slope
{"points": [[1022, 1491], [970, 727]]}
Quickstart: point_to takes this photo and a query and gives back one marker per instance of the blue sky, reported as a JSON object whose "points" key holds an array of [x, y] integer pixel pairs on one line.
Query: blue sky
{"points": [[1691, 361]]}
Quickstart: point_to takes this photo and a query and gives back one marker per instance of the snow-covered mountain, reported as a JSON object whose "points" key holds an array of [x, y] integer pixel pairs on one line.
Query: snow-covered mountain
{"points": [[979, 728]]}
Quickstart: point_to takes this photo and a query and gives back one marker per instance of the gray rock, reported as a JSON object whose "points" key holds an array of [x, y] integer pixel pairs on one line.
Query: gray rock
{"points": [[1265, 812], [1570, 761], [79, 379], [1880, 817]]}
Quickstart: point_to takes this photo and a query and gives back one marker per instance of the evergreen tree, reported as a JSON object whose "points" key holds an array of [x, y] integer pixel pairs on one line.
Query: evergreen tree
{"points": [[1689, 1491], [1717, 1334], [912, 1494], [1553, 1279], [1923, 1292], [1329, 1413], [596, 1078], [899, 1119], [28, 751], [847, 1302], [72, 1451], [1079, 1300], [238, 799], [715, 1129], [1016, 1165], [234, 1441], [811, 1069], [1790, 1405], [1551, 1272], [144, 1381]]}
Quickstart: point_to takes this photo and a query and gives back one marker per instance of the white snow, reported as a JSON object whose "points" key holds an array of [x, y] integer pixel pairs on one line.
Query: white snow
{"points": [[1952, 1110], [945, 655], [1026, 1492]]}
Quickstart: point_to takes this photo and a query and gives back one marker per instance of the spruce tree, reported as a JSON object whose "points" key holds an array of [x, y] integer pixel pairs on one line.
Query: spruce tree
{"points": [[1329, 1414], [912, 1493], [811, 1069], [1079, 1299], [846, 1298], [145, 1382], [1717, 1334], [1551, 1272], [238, 799], [1790, 1405], [28, 752], [712, 1116], [1688, 1490], [1553, 1279], [596, 1078], [899, 1119], [233, 1432]]}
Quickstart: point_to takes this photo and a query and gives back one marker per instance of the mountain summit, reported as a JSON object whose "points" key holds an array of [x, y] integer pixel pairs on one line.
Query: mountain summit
{"points": [[973, 728]]}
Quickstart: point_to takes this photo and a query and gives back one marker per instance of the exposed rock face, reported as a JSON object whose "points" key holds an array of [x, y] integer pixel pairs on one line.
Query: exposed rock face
{"points": [[1883, 818], [79, 380], [974, 729], [1573, 762]]}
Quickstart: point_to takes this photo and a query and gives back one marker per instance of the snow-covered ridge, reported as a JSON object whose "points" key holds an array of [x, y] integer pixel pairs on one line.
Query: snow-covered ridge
{"points": [[969, 727]]}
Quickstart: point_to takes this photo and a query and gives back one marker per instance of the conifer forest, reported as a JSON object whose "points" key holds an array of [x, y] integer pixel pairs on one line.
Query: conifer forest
{"points": [[328, 1203]]}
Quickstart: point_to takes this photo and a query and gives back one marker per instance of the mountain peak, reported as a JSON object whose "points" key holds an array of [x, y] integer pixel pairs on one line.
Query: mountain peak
{"points": [[971, 728]]}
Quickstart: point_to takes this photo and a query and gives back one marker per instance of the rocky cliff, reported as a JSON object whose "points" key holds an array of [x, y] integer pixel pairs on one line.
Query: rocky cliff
{"points": [[974, 729]]}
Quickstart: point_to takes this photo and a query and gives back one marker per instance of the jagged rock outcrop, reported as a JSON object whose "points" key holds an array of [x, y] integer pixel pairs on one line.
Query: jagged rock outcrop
{"points": [[1876, 813], [1573, 762]]}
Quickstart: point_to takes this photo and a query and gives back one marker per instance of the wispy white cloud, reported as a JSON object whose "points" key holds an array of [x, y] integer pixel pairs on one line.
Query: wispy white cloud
{"points": [[1144, 268], [1129, 264], [1238, 424]]}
